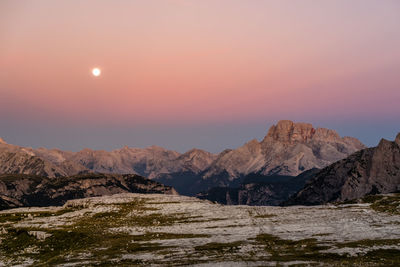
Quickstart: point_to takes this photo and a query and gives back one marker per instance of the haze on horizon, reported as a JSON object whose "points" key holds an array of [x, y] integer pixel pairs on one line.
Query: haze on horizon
{"points": [[206, 74]]}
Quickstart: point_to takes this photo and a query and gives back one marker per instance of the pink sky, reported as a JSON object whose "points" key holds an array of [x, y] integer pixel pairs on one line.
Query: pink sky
{"points": [[186, 62]]}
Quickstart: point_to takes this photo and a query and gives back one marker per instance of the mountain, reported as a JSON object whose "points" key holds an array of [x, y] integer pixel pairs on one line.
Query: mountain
{"points": [[148, 162], [259, 190], [369, 171], [20, 190], [288, 149], [21, 160]]}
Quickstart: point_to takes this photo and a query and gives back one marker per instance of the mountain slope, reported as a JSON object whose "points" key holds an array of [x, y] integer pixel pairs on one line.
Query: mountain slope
{"points": [[30, 190], [369, 171], [259, 190], [288, 149]]}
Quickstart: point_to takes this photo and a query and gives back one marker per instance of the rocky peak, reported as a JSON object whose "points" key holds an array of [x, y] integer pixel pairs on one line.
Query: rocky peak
{"points": [[2, 141], [286, 131], [397, 140], [194, 152], [326, 135]]}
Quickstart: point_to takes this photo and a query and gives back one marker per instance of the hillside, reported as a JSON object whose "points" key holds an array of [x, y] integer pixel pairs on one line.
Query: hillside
{"points": [[369, 171], [170, 230], [19, 190]]}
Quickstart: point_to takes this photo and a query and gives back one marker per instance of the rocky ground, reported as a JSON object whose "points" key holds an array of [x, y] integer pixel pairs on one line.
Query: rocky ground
{"points": [[154, 229]]}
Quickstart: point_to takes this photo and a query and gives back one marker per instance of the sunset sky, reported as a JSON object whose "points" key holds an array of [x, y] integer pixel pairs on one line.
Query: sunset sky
{"points": [[206, 74]]}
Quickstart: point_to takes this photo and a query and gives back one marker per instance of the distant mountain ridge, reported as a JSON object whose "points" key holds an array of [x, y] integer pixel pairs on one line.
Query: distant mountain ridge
{"points": [[288, 149]]}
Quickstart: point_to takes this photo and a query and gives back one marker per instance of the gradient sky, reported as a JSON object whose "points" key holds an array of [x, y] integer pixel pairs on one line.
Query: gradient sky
{"points": [[207, 74]]}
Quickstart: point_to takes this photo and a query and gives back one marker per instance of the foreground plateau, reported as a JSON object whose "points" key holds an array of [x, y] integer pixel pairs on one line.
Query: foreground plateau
{"points": [[155, 229]]}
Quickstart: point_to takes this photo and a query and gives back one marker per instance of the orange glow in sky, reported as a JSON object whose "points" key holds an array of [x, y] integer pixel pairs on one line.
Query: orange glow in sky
{"points": [[177, 62]]}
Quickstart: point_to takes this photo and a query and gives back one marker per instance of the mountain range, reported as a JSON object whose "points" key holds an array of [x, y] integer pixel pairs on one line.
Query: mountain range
{"points": [[288, 149], [369, 171]]}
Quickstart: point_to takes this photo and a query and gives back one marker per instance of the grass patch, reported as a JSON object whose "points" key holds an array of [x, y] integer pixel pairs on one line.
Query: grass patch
{"points": [[369, 243], [322, 234], [12, 217], [309, 250], [381, 203], [219, 247], [89, 234], [164, 236], [160, 203], [389, 204], [19, 216], [264, 216], [225, 226]]}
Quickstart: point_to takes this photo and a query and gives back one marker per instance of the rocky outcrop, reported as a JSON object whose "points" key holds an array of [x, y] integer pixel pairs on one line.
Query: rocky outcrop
{"points": [[369, 171], [29, 190]]}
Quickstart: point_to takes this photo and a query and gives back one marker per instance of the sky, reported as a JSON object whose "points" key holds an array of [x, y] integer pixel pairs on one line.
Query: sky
{"points": [[206, 74]]}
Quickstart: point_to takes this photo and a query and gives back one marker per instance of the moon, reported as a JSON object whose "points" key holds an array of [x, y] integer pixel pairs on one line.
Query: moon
{"points": [[96, 72]]}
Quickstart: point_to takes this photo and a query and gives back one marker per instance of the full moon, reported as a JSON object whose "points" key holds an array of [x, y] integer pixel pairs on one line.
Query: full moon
{"points": [[96, 72]]}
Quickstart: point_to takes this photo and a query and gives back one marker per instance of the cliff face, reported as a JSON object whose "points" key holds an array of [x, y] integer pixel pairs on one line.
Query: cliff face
{"points": [[30, 190], [369, 171], [288, 149]]}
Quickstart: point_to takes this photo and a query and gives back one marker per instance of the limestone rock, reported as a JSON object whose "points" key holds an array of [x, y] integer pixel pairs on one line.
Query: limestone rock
{"points": [[369, 171], [288, 149]]}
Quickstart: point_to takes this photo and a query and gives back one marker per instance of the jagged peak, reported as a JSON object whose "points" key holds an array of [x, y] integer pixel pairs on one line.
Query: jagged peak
{"points": [[86, 150], [2, 141], [397, 140], [383, 142], [197, 152], [326, 133], [155, 147], [287, 131], [252, 142]]}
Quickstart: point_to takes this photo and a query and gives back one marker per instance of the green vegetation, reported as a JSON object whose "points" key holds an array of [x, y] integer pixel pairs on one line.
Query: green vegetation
{"points": [[16, 217], [389, 204], [370, 243], [291, 250], [219, 247], [102, 239], [264, 216], [282, 250], [89, 234], [382, 203], [163, 236]]}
